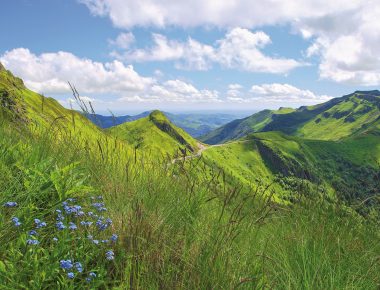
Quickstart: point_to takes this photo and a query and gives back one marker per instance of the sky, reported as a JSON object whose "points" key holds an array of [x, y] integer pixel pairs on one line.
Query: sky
{"points": [[201, 55]]}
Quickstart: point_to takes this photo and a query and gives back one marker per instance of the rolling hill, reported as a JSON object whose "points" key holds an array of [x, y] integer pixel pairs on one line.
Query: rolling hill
{"points": [[76, 213], [345, 170], [196, 124], [156, 135], [241, 127], [336, 119]]}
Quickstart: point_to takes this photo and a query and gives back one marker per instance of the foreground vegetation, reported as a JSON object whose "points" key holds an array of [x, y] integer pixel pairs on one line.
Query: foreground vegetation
{"points": [[81, 211]]}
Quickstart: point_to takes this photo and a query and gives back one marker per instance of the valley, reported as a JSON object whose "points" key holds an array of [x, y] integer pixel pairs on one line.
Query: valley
{"points": [[299, 184]]}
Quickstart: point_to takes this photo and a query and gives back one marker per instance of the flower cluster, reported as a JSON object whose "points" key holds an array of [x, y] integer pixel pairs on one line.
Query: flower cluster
{"points": [[10, 204], [72, 222], [75, 218]]}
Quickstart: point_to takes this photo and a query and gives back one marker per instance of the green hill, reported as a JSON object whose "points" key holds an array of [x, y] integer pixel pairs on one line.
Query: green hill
{"points": [[155, 135], [78, 211], [346, 170], [41, 113], [242, 127], [336, 119]]}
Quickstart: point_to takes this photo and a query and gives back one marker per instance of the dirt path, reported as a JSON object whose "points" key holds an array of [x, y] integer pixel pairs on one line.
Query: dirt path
{"points": [[201, 148]]}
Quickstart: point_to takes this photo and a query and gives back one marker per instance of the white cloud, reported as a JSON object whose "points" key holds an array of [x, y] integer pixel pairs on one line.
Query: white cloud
{"points": [[240, 49], [230, 13], [276, 92], [189, 55], [123, 40], [235, 86], [335, 28], [50, 72]]}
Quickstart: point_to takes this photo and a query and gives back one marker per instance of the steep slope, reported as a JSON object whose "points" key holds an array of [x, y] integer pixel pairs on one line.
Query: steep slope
{"points": [[347, 169], [36, 109], [155, 134], [40, 114], [354, 114], [242, 127], [333, 120]]}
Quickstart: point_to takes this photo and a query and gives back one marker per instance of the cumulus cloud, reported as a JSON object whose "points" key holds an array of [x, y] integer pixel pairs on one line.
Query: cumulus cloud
{"points": [[188, 55], [276, 92], [50, 72], [244, 13], [344, 35], [174, 91], [239, 49], [123, 40], [348, 44]]}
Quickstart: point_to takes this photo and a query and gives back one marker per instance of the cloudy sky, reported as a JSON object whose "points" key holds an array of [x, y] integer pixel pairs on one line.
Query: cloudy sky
{"points": [[180, 55]]}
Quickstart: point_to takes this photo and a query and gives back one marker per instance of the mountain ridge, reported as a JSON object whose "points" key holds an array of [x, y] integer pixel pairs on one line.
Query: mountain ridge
{"points": [[333, 120]]}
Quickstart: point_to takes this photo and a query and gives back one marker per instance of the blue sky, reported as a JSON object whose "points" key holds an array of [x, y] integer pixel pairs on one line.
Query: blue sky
{"points": [[199, 55]]}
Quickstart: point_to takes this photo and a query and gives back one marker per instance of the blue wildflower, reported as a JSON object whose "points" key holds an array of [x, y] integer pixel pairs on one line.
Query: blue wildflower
{"points": [[114, 237], [103, 225], [91, 275], [90, 213], [105, 241], [32, 242], [110, 255], [60, 217], [84, 223], [66, 264], [60, 225], [96, 242], [58, 211], [10, 204], [70, 275], [72, 226], [80, 213], [79, 267], [16, 221], [90, 237], [32, 233], [39, 223], [55, 239]]}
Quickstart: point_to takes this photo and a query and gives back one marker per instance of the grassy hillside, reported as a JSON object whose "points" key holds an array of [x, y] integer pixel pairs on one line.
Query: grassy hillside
{"points": [[196, 124], [347, 170], [155, 135], [85, 217], [41, 114], [333, 120], [242, 127]]}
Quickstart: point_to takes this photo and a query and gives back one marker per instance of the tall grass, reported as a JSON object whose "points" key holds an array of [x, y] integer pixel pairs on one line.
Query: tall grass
{"points": [[177, 227]]}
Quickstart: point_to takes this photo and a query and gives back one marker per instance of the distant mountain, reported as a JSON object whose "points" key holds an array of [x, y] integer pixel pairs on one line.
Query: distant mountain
{"points": [[242, 127], [332, 120], [155, 134], [109, 121], [196, 124]]}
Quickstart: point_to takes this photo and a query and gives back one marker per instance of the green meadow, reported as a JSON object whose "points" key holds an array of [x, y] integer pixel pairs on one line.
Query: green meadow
{"points": [[86, 208]]}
